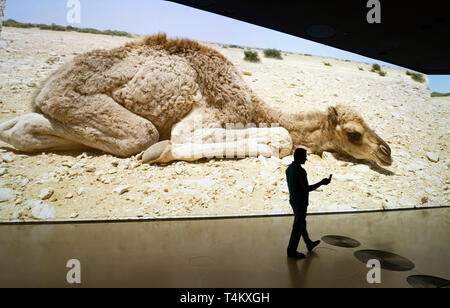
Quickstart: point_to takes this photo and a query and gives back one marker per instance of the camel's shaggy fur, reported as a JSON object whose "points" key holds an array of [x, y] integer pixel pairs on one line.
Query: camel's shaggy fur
{"points": [[126, 99]]}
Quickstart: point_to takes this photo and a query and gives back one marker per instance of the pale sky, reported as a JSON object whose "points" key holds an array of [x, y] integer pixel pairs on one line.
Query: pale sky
{"points": [[152, 16]]}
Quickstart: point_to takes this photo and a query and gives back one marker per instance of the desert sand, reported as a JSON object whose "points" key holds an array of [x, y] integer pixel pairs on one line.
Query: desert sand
{"points": [[90, 185]]}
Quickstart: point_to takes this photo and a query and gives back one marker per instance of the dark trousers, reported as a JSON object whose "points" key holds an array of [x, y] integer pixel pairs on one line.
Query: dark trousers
{"points": [[298, 228]]}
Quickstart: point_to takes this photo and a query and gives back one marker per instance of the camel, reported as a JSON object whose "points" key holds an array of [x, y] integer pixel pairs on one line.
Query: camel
{"points": [[150, 96]]}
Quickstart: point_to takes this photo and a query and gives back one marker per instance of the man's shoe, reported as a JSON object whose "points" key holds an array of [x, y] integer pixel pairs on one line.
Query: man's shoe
{"points": [[312, 245], [296, 255]]}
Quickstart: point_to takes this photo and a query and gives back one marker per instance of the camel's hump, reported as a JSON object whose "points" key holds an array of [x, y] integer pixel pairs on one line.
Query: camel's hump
{"points": [[177, 45]]}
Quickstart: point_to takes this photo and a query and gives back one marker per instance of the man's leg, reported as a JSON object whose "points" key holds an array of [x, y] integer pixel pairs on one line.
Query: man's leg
{"points": [[309, 244], [305, 235], [297, 230]]}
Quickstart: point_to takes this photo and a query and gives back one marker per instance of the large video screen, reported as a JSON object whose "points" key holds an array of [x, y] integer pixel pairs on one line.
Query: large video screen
{"points": [[154, 110]]}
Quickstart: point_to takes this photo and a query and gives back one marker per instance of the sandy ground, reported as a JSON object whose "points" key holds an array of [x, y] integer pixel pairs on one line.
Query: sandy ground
{"points": [[84, 186]]}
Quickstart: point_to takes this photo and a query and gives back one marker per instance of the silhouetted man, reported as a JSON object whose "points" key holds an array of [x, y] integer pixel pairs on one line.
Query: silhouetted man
{"points": [[298, 198]]}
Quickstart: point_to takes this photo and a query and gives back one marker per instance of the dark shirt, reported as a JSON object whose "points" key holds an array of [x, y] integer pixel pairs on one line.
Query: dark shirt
{"points": [[295, 174]]}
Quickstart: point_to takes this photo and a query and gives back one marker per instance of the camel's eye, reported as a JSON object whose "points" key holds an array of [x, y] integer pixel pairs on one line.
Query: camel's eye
{"points": [[354, 137]]}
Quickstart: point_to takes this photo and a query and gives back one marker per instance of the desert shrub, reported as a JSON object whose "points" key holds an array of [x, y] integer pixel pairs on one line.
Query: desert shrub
{"points": [[58, 28], [416, 76], [16, 24], [251, 56], [375, 68], [327, 63], [439, 94], [54, 27], [43, 27], [307, 54], [116, 33], [382, 73], [272, 53], [88, 30], [360, 68]]}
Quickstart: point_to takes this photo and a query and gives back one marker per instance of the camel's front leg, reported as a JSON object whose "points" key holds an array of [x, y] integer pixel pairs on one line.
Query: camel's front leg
{"points": [[222, 143], [35, 132]]}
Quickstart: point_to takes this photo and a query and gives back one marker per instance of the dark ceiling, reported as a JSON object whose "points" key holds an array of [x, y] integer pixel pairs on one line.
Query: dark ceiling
{"points": [[414, 35]]}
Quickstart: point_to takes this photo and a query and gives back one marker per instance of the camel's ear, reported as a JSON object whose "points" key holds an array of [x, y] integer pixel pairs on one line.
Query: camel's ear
{"points": [[332, 116]]}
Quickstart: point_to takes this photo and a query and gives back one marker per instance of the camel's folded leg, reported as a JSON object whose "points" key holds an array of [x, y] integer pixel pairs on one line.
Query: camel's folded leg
{"points": [[261, 141], [160, 151], [35, 132], [101, 123]]}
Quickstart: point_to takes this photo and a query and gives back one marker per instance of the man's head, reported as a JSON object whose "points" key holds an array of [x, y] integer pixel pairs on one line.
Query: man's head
{"points": [[300, 155]]}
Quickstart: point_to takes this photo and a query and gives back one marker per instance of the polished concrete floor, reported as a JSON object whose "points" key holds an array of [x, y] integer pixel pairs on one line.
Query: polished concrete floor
{"points": [[241, 252]]}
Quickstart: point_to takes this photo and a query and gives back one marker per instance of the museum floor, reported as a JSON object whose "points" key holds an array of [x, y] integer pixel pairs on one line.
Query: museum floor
{"points": [[241, 252]]}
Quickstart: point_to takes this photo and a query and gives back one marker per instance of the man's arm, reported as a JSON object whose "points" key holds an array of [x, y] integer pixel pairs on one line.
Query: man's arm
{"points": [[307, 188], [317, 185]]}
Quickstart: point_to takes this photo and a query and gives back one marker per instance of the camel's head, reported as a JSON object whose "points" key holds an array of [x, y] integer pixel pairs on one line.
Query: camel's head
{"points": [[353, 136]]}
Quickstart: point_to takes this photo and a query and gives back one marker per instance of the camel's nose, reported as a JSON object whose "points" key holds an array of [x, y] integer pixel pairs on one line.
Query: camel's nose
{"points": [[386, 153], [386, 150], [383, 151], [382, 145]]}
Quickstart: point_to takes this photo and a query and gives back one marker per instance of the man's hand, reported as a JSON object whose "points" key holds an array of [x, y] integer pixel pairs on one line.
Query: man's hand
{"points": [[326, 181], [317, 185]]}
